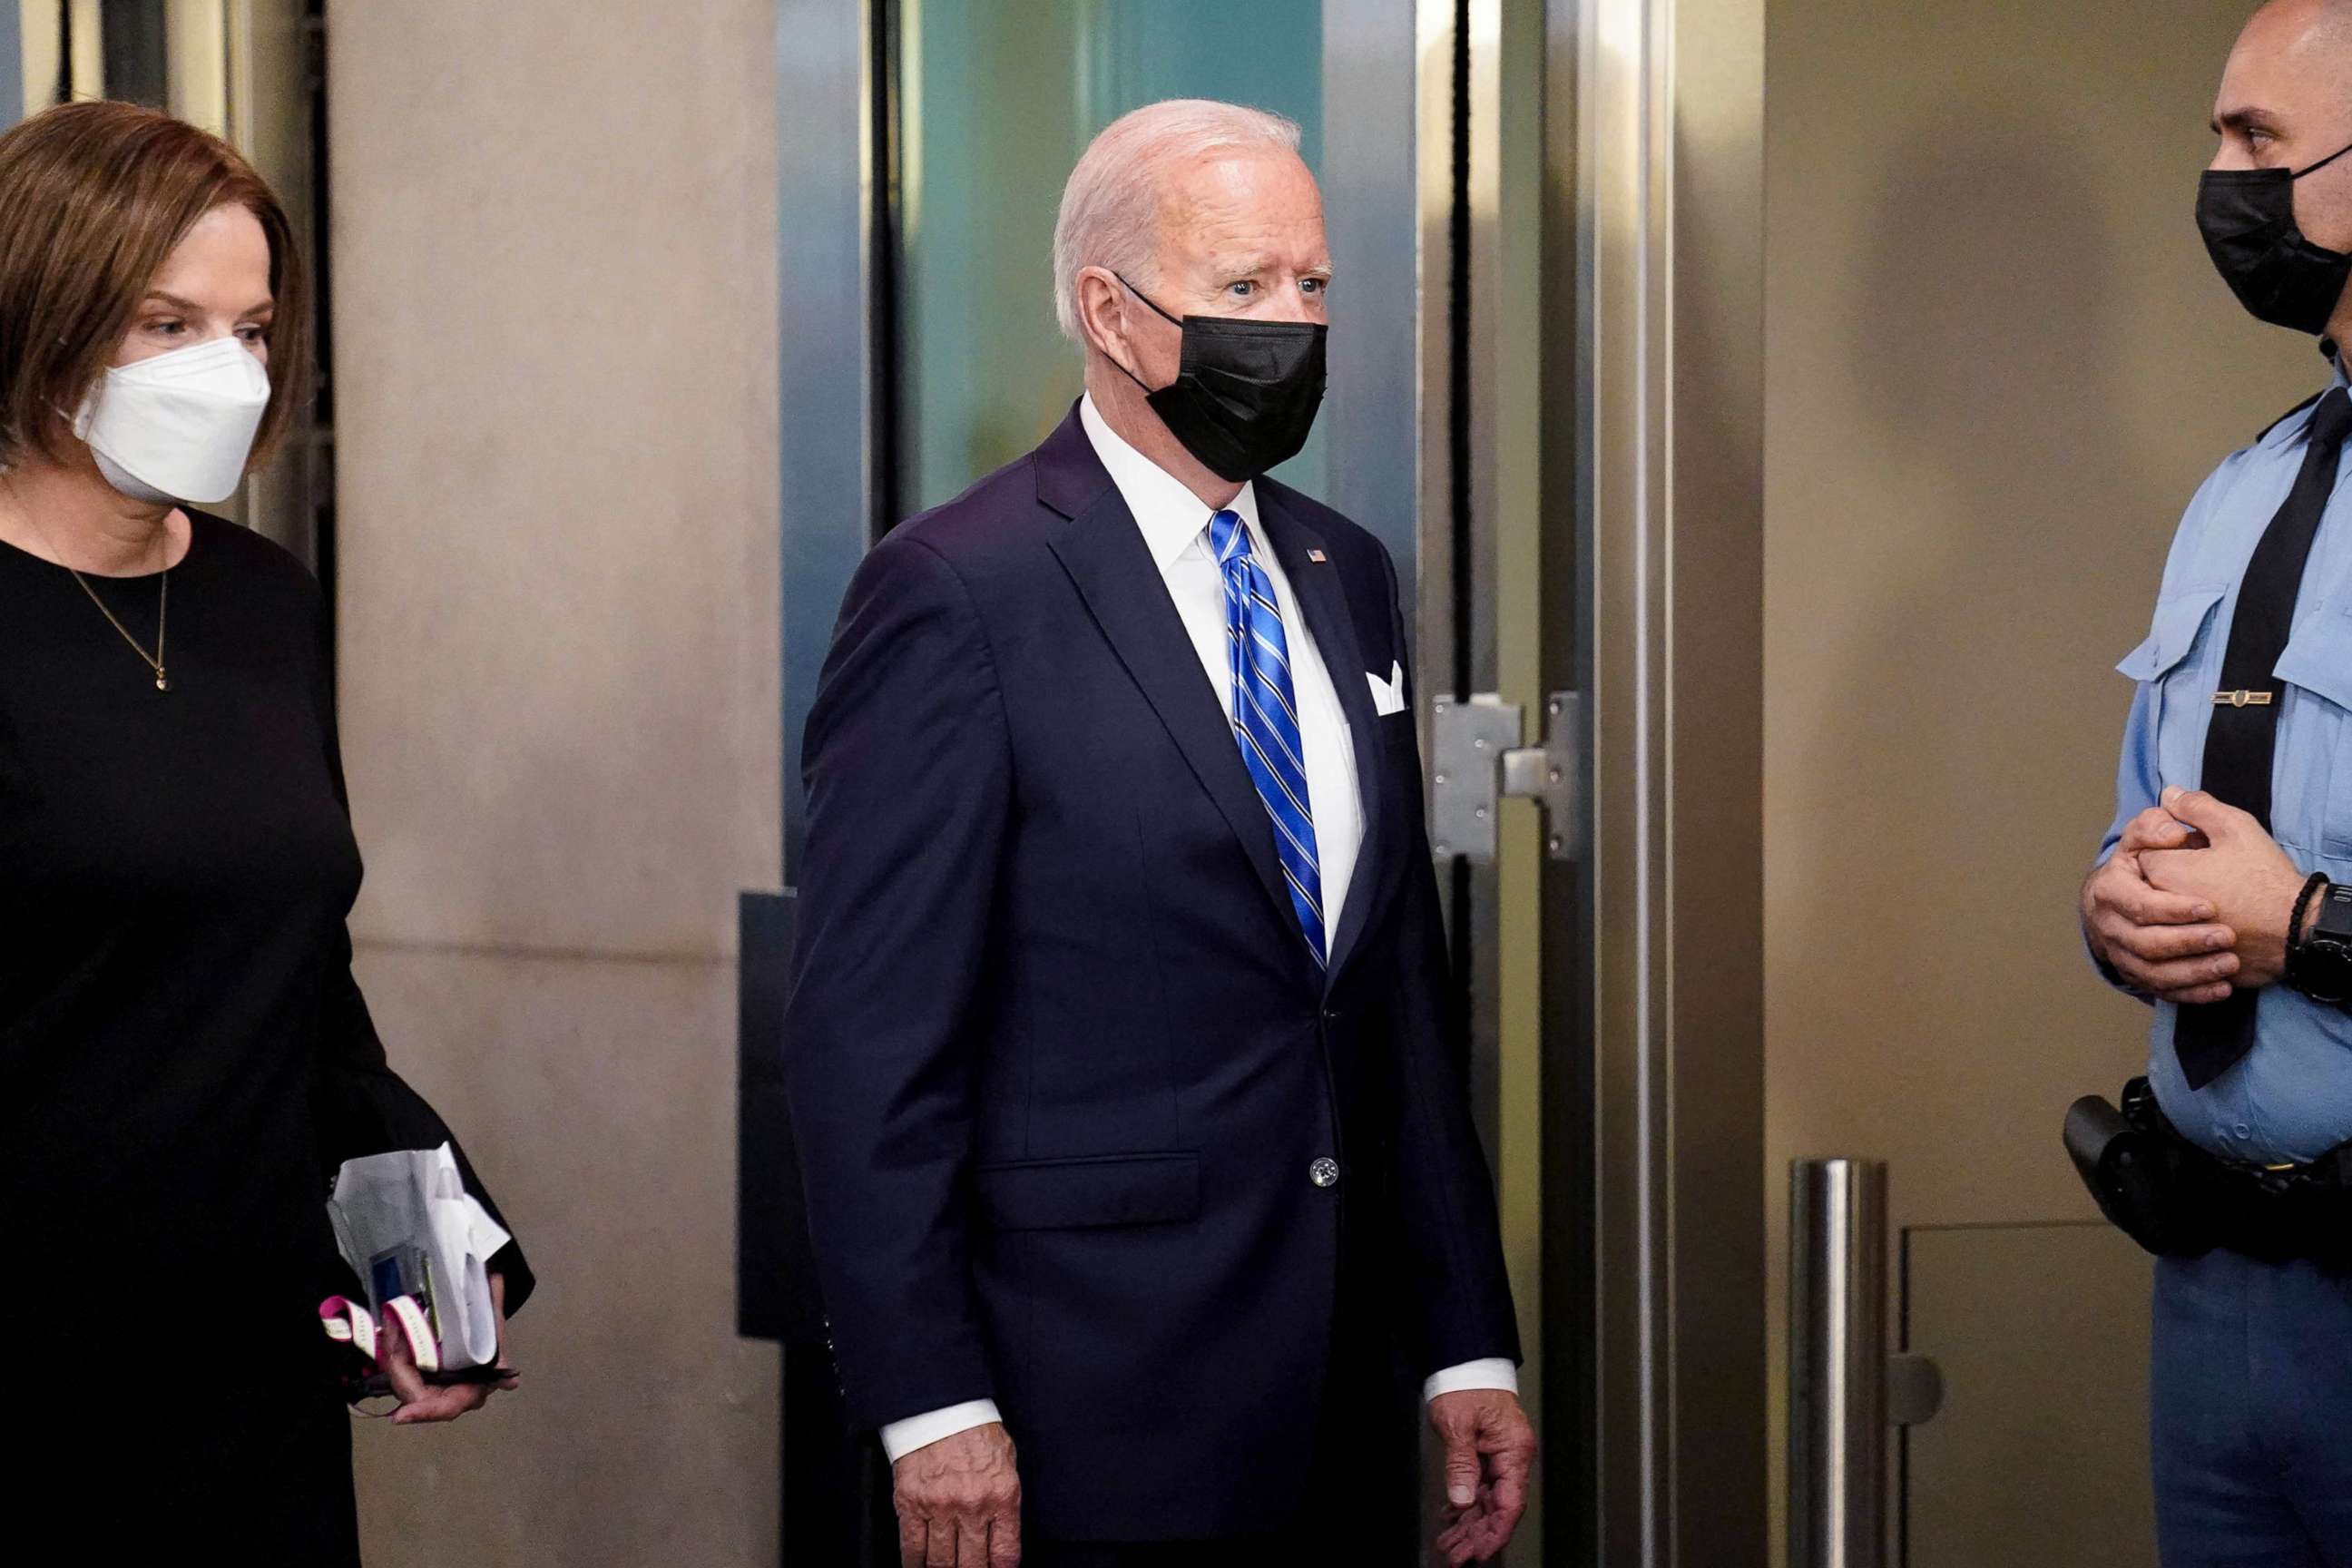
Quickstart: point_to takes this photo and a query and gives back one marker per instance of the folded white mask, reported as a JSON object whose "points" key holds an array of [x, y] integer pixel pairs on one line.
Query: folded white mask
{"points": [[178, 427]]}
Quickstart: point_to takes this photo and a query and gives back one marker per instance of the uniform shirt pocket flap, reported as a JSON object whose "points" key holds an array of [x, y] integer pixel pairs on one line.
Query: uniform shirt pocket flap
{"points": [[1104, 1190], [2318, 657], [2178, 617]]}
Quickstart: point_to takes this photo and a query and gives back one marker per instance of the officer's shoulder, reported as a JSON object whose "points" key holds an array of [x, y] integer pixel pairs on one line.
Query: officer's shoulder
{"points": [[2288, 422]]}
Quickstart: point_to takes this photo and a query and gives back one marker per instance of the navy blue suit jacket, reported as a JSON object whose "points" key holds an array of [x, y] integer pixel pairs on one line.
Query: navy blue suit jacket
{"points": [[1059, 1060]]}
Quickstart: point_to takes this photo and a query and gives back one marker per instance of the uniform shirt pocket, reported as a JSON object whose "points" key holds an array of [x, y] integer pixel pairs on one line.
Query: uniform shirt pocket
{"points": [[2176, 664], [2312, 793]]}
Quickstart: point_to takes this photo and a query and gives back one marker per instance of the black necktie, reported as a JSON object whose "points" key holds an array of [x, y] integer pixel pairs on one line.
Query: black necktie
{"points": [[2239, 745]]}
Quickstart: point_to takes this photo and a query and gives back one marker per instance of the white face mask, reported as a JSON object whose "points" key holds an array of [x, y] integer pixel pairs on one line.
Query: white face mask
{"points": [[178, 427]]}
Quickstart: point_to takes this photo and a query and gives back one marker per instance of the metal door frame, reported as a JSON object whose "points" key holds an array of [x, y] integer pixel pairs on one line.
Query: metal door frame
{"points": [[1653, 184]]}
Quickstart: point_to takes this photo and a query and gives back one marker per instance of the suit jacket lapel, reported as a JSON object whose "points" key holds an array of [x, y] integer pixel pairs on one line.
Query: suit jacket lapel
{"points": [[1316, 586], [1103, 550]]}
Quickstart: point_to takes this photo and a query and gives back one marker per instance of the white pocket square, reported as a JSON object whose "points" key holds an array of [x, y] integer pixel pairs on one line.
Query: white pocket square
{"points": [[1388, 696]]}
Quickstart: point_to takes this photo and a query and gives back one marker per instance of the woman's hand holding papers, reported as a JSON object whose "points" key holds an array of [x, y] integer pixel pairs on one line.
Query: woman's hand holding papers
{"points": [[423, 1401]]}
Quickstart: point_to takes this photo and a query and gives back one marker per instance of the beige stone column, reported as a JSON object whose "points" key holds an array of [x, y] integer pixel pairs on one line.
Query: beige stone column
{"points": [[555, 271]]}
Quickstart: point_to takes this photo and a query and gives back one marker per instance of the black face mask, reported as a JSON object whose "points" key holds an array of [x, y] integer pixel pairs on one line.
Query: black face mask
{"points": [[2247, 216], [1246, 391]]}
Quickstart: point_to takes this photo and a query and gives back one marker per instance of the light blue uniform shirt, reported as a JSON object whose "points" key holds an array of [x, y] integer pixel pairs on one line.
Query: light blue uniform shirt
{"points": [[2290, 1098]]}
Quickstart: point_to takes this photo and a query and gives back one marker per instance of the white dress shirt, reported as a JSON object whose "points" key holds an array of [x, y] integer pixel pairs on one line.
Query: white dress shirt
{"points": [[1175, 526]]}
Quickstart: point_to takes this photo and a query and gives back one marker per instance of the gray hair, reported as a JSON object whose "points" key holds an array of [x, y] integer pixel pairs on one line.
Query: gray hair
{"points": [[1111, 207]]}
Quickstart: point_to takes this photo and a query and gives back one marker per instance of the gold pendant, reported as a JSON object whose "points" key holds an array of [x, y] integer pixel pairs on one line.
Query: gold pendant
{"points": [[160, 683]]}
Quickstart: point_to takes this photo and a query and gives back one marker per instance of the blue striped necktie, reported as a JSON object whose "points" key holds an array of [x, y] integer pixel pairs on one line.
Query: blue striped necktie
{"points": [[1265, 718]]}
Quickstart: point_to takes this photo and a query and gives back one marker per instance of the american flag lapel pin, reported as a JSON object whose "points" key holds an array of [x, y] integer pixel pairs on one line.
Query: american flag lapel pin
{"points": [[1317, 557]]}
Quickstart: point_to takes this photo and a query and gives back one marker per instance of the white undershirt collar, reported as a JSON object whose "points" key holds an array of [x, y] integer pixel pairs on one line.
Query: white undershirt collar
{"points": [[1170, 516]]}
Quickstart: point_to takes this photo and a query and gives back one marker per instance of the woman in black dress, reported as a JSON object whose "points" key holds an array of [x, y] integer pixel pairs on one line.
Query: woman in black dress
{"points": [[185, 1058]]}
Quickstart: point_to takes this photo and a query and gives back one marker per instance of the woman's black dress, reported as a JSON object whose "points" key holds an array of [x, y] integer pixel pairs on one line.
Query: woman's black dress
{"points": [[184, 1061]]}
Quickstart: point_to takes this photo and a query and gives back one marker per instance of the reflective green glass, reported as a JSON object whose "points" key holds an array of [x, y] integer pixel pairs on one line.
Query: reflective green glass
{"points": [[996, 102]]}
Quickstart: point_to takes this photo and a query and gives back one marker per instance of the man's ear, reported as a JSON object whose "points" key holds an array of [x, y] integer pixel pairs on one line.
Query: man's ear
{"points": [[1102, 315]]}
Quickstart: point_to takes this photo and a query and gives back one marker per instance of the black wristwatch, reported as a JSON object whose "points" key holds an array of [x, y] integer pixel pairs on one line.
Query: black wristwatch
{"points": [[2320, 963]]}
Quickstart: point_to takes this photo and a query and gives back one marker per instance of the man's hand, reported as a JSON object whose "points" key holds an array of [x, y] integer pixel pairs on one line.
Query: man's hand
{"points": [[423, 1401], [2242, 874], [959, 1502], [2167, 945], [1490, 1447]]}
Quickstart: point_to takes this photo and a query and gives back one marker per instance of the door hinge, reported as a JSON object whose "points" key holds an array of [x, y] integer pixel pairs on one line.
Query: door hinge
{"points": [[1476, 762]]}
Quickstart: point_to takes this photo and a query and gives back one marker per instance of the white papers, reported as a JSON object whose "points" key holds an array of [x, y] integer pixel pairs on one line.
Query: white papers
{"points": [[414, 1200]]}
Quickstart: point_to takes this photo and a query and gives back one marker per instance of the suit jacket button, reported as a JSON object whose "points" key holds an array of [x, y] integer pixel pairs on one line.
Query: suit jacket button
{"points": [[1324, 1173]]}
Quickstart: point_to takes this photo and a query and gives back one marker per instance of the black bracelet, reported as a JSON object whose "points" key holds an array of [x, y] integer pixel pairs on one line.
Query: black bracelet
{"points": [[2316, 880]]}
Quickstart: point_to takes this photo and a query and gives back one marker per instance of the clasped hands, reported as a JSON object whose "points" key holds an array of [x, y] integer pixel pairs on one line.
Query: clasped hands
{"points": [[2194, 903]]}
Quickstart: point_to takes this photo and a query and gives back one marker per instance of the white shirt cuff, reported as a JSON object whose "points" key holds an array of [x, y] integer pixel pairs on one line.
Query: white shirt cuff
{"points": [[900, 1438], [1495, 1371]]}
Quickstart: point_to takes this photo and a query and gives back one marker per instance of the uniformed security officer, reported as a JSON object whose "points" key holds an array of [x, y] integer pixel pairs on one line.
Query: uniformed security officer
{"points": [[2214, 896]]}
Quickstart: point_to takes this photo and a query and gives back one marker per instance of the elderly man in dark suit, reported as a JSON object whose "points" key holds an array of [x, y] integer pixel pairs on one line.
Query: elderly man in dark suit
{"points": [[1118, 1054]]}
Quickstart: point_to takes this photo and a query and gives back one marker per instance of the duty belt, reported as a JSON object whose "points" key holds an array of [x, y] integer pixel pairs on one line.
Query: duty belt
{"points": [[2178, 1200]]}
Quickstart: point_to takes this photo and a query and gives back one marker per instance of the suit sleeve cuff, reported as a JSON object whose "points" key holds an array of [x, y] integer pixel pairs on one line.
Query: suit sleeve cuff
{"points": [[900, 1438], [1495, 1371]]}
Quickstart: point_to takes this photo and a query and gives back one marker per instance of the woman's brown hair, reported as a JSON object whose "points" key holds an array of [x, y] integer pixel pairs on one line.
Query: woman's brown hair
{"points": [[94, 197]]}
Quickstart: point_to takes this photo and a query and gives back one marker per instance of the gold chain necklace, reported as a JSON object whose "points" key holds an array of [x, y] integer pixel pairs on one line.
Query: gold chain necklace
{"points": [[162, 605], [162, 609]]}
